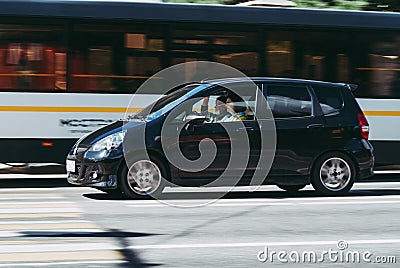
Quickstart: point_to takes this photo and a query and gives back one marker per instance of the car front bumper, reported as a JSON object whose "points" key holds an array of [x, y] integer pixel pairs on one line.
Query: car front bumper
{"points": [[98, 174]]}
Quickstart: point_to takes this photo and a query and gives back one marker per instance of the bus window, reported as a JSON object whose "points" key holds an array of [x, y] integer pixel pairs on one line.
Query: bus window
{"points": [[114, 58], [246, 62], [309, 55], [236, 49], [377, 64], [279, 54], [33, 58]]}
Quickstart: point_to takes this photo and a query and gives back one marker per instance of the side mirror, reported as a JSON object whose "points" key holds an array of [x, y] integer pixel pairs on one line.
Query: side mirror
{"points": [[194, 119]]}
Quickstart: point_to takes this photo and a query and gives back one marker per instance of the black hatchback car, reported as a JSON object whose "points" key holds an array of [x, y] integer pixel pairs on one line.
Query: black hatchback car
{"points": [[316, 133]]}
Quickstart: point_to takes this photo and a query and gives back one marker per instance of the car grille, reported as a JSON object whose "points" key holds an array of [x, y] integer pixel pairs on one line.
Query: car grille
{"points": [[79, 169], [81, 174], [77, 174]]}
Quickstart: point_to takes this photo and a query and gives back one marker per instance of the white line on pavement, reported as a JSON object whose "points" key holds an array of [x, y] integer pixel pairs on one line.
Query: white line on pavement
{"points": [[386, 171], [42, 222], [255, 200], [72, 263], [30, 198], [56, 247], [37, 203], [47, 233], [262, 244], [38, 210], [26, 190], [246, 204], [33, 176]]}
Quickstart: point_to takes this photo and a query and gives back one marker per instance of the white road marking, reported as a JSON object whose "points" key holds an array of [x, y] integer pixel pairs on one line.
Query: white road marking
{"points": [[377, 182], [262, 188], [276, 204], [39, 210], [351, 202], [52, 204], [53, 249], [354, 200], [60, 256], [5, 190], [262, 244], [40, 215], [386, 171], [72, 263], [254, 200], [30, 198], [61, 203], [33, 176], [42, 222], [46, 226], [56, 247], [46, 233]]}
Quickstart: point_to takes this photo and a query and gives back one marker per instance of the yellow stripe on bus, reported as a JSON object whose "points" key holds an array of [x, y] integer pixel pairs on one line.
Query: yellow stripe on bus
{"points": [[382, 113], [72, 109], [57, 109]]}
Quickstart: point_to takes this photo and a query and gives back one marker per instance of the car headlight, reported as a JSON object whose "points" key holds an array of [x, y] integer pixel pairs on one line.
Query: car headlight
{"points": [[108, 143]]}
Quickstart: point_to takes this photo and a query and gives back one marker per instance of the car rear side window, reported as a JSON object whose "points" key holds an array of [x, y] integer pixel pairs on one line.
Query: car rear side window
{"points": [[330, 99], [288, 101]]}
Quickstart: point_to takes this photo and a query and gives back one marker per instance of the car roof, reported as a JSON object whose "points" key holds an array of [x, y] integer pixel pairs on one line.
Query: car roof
{"points": [[276, 80]]}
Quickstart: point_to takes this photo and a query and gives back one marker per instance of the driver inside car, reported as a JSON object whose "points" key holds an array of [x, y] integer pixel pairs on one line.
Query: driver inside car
{"points": [[236, 110], [221, 110]]}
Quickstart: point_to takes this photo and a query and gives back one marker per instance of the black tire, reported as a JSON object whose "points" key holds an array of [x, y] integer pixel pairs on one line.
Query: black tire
{"points": [[292, 188], [151, 173], [333, 173]]}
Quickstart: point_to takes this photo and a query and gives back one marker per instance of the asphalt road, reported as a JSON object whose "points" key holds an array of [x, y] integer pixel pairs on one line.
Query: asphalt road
{"points": [[46, 222]]}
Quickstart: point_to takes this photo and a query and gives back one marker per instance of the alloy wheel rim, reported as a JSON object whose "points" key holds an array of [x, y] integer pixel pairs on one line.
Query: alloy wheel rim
{"points": [[335, 174], [144, 177]]}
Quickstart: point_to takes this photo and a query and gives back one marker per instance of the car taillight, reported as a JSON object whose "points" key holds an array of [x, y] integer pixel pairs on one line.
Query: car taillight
{"points": [[364, 126]]}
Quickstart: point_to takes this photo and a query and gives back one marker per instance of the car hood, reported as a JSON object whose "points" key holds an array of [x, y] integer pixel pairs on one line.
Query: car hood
{"points": [[93, 137]]}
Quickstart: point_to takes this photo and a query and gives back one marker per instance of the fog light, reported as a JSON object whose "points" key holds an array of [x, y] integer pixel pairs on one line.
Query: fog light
{"points": [[94, 175]]}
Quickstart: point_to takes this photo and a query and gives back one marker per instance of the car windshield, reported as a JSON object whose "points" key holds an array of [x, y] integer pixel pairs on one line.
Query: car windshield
{"points": [[163, 104]]}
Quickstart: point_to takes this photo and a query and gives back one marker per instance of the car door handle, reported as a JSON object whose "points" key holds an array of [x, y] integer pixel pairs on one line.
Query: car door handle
{"points": [[245, 128], [315, 126]]}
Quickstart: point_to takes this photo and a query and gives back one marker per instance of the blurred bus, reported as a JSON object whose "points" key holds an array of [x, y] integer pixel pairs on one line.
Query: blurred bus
{"points": [[69, 67]]}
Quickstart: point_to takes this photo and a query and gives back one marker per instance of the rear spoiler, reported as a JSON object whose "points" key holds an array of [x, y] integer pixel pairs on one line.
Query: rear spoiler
{"points": [[352, 87]]}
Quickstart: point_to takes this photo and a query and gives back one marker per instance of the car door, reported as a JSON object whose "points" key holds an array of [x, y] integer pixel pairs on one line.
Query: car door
{"points": [[298, 128], [237, 142]]}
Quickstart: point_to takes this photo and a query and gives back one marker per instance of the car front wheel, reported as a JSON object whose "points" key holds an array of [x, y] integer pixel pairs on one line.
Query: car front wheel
{"points": [[333, 174], [143, 179]]}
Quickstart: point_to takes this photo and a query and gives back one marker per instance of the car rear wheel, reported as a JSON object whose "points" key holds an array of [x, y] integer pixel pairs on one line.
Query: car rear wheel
{"points": [[292, 188], [145, 178], [333, 174]]}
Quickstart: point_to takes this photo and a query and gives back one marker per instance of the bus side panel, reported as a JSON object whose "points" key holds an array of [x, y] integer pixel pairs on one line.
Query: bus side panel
{"points": [[383, 116], [42, 127], [35, 150]]}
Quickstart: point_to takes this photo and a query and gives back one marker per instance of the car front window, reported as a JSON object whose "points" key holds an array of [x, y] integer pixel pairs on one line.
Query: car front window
{"points": [[164, 104]]}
